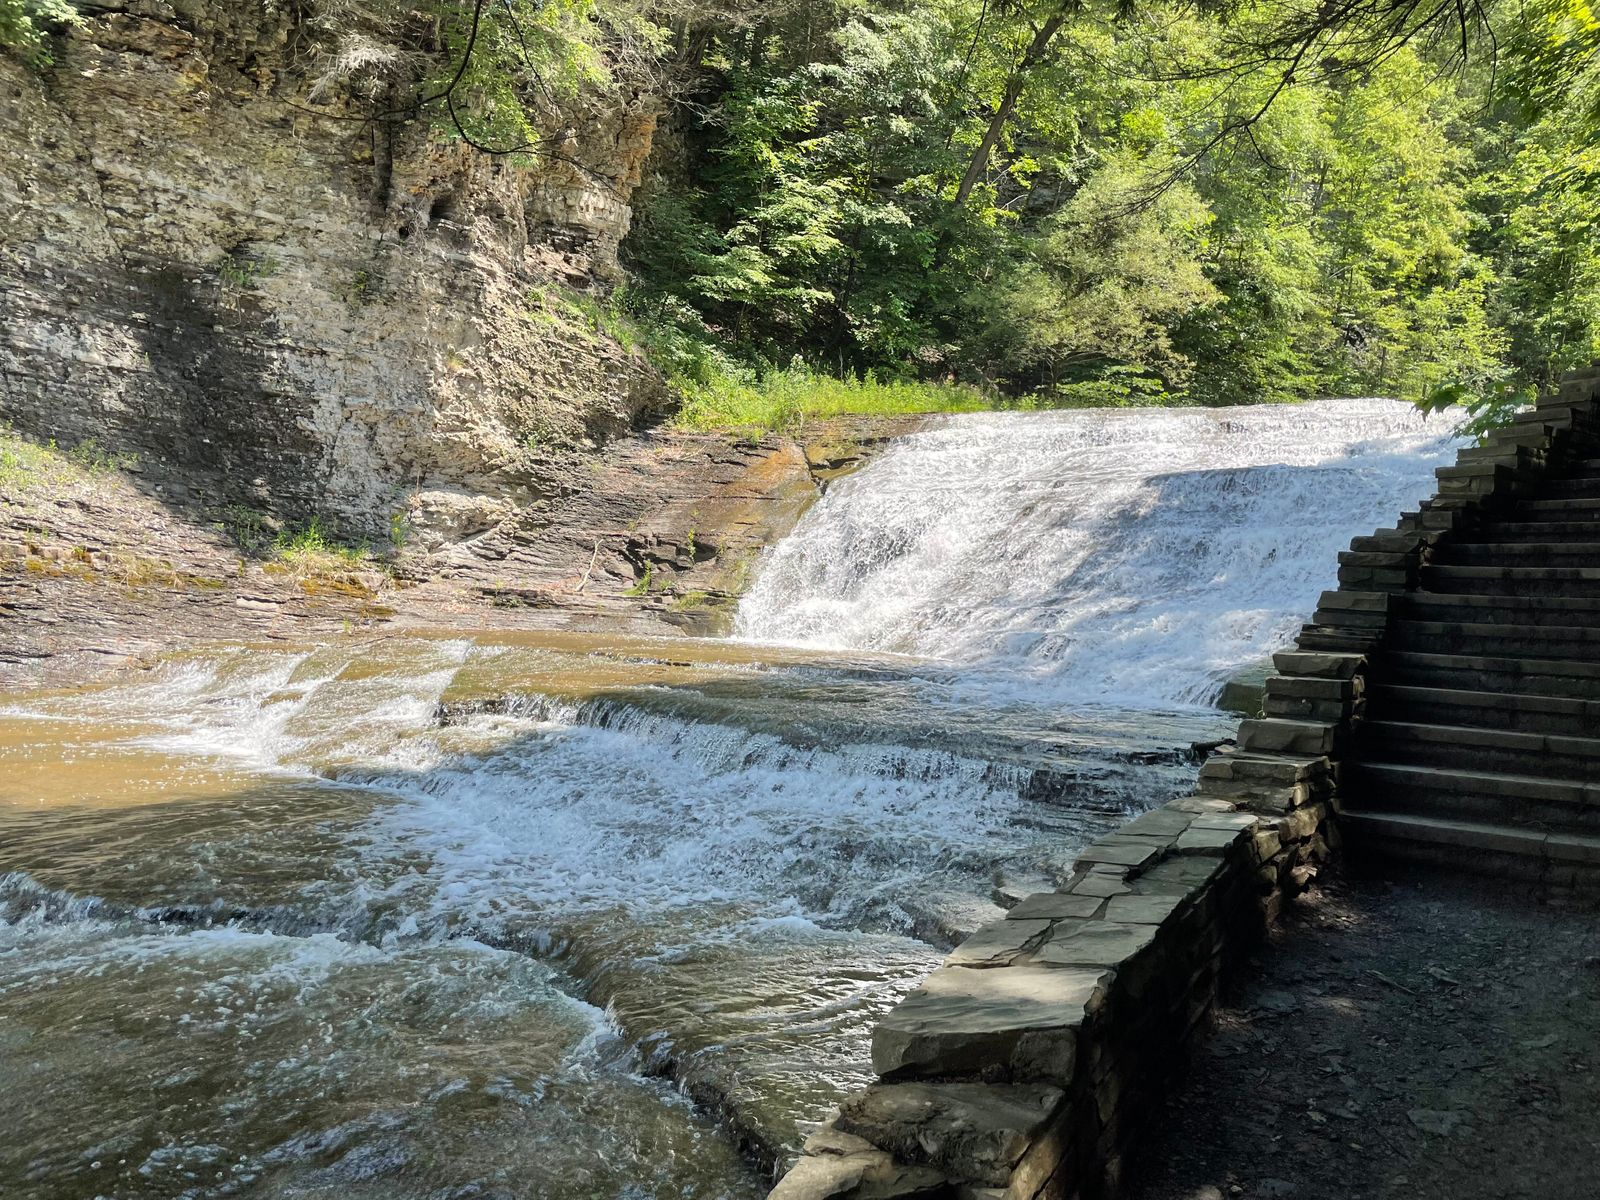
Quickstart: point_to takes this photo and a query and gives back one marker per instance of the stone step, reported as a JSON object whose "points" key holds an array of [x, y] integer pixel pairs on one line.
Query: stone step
{"points": [[1512, 581], [1579, 642], [1501, 797], [1524, 530], [1574, 417], [1519, 554], [1557, 677], [1488, 709], [1586, 487], [1561, 858], [1478, 748], [1560, 508], [1500, 610]]}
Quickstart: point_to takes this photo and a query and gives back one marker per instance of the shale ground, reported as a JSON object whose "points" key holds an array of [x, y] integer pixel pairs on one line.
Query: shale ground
{"points": [[107, 560], [1416, 1037]]}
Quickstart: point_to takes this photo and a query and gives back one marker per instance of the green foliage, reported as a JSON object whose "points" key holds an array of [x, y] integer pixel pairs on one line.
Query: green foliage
{"points": [[1396, 231], [314, 546], [506, 76], [22, 463], [1484, 410], [1540, 231], [642, 585], [244, 271], [90, 456], [360, 289], [26, 26], [519, 49], [246, 528], [788, 398], [1105, 387], [399, 530], [606, 315], [25, 464]]}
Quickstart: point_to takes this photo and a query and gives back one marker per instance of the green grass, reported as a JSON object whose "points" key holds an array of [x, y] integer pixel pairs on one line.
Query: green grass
{"points": [[557, 305], [788, 398], [21, 462], [24, 464], [314, 548], [643, 584]]}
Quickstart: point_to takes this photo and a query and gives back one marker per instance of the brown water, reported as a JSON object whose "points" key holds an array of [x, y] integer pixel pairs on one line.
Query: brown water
{"points": [[610, 919], [498, 916]]}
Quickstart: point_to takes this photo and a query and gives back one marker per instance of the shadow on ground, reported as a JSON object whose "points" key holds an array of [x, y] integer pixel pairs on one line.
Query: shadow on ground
{"points": [[1417, 1037]]}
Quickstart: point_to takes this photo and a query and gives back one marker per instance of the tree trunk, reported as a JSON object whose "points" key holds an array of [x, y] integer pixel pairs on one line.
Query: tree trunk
{"points": [[979, 165]]}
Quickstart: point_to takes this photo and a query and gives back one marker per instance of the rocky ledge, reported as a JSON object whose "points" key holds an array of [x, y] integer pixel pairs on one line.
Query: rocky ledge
{"points": [[657, 533]]}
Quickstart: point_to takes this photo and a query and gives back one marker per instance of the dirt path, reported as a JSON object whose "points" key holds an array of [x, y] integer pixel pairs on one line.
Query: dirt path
{"points": [[1433, 1039]]}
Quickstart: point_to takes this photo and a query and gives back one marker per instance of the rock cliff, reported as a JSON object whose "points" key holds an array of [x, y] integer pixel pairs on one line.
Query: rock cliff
{"points": [[288, 311]]}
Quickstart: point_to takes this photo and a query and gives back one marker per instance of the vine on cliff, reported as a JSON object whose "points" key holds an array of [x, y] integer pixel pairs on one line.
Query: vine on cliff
{"points": [[504, 76]]}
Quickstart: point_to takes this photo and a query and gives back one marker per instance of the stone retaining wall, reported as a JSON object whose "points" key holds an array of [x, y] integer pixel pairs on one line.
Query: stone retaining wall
{"points": [[1024, 1066]]}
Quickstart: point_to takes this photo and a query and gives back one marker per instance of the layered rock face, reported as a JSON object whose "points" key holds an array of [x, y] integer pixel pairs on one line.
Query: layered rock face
{"points": [[289, 309]]}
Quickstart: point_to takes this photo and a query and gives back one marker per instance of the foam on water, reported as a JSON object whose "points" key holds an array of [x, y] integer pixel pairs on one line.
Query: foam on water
{"points": [[1140, 554], [737, 872], [167, 1062]]}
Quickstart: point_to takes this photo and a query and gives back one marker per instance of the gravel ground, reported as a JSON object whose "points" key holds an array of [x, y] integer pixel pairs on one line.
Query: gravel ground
{"points": [[1411, 1036]]}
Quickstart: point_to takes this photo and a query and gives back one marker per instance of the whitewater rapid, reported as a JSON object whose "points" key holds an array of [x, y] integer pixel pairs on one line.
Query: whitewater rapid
{"points": [[414, 915], [1136, 555]]}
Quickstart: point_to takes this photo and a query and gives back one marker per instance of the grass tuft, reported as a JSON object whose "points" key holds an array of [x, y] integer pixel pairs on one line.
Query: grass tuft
{"points": [[788, 398], [313, 549]]}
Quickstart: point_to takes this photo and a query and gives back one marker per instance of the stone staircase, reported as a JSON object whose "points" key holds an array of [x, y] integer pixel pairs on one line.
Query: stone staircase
{"points": [[1479, 744]]}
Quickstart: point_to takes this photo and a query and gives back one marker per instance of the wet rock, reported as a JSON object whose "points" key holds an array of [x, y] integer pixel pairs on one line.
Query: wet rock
{"points": [[1016, 1022], [974, 1132], [841, 1166]]}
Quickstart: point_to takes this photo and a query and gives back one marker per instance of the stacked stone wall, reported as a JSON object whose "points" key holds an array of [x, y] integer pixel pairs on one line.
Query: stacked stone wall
{"points": [[1026, 1065]]}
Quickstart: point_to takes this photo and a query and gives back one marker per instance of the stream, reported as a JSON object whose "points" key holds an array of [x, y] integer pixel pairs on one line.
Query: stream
{"points": [[487, 914]]}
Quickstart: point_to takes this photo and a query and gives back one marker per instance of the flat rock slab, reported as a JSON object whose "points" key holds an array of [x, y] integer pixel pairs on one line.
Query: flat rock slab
{"points": [[972, 1131], [1120, 853], [1095, 944], [1018, 1023], [1100, 882], [1144, 909], [859, 1174], [1208, 841], [1160, 823], [1054, 906], [999, 943]]}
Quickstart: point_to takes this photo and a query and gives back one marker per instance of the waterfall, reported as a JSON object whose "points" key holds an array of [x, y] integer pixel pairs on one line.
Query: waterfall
{"points": [[1140, 555], [448, 900]]}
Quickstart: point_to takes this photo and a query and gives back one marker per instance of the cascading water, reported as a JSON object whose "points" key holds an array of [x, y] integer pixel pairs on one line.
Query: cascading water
{"points": [[420, 916], [1137, 555]]}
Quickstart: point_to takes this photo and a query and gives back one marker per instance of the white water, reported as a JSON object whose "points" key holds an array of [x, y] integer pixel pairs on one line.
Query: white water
{"points": [[451, 953], [734, 873], [1140, 554]]}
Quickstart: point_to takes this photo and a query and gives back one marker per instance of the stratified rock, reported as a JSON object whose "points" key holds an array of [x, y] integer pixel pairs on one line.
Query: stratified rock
{"points": [[1096, 943], [974, 1132], [842, 1166], [999, 943], [1016, 1022]]}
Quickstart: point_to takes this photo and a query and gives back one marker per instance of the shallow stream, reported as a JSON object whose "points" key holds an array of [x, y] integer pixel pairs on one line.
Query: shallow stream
{"points": [[480, 914]]}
